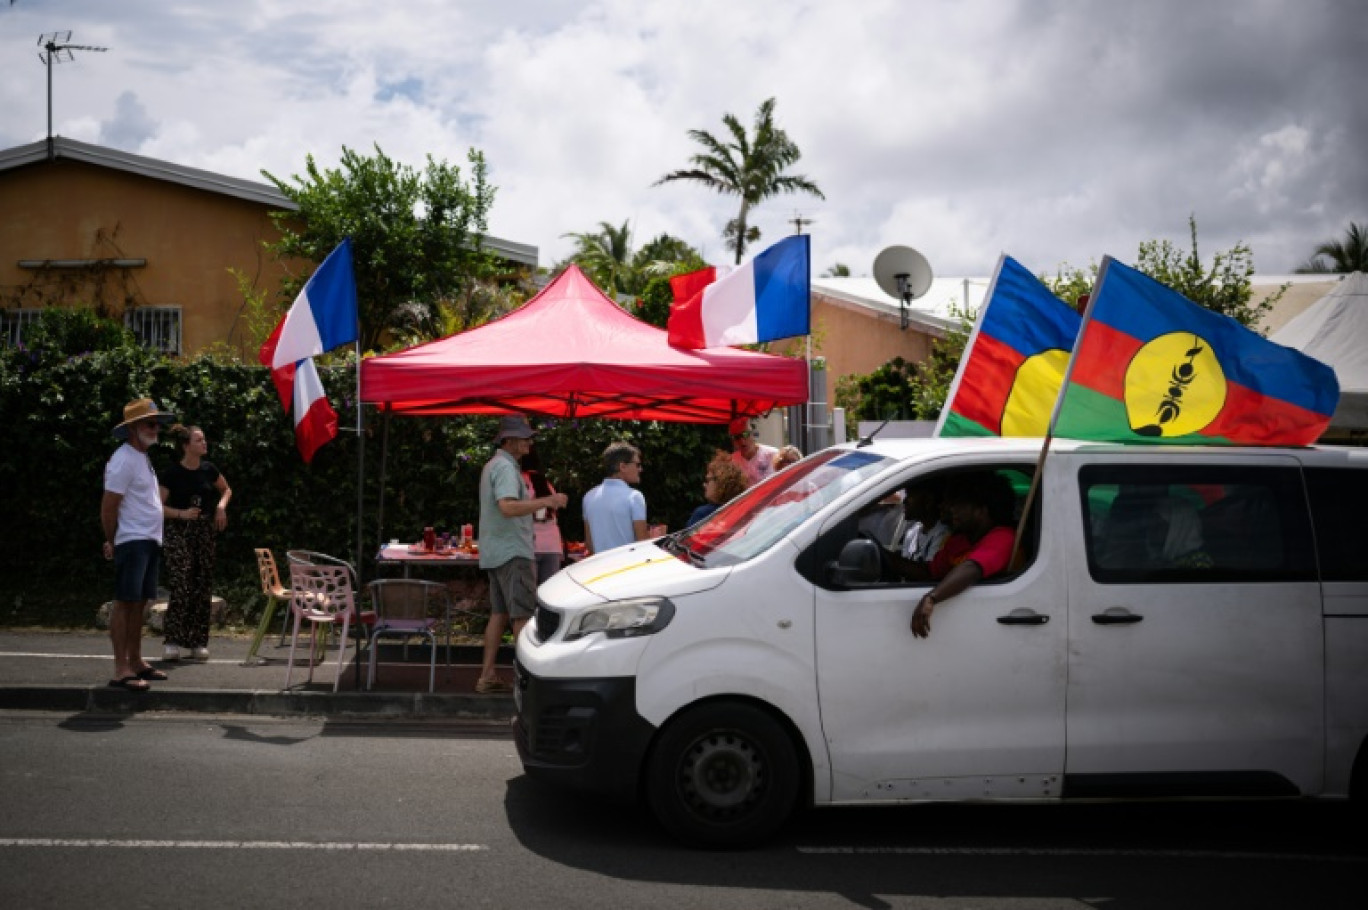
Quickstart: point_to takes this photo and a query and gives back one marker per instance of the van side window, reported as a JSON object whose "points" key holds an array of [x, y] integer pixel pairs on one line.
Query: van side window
{"points": [[896, 518], [1157, 524], [1339, 507]]}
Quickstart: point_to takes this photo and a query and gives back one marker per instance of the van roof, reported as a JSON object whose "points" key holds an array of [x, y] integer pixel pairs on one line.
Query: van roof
{"points": [[917, 447]]}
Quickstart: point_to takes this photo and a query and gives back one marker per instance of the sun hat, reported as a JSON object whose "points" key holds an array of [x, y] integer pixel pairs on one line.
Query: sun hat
{"points": [[514, 426], [141, 409]]}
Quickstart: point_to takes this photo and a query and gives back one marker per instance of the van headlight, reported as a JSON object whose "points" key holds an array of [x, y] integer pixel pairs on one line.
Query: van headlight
{"points": [[623, 618]]}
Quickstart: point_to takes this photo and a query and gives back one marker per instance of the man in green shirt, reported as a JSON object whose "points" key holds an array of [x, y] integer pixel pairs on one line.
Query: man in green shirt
{"points": [[506, 550]]}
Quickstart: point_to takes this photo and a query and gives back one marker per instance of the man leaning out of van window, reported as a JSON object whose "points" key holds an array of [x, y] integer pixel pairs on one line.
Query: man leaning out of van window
{"points": [[979, 508]]}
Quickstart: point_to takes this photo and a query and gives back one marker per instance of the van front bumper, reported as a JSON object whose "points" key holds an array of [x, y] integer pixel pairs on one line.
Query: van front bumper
{"points": [[582, 733]]}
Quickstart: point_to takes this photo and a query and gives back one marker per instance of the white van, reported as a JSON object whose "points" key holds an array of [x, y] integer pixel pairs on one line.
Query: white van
{"points": [[761, 660]]}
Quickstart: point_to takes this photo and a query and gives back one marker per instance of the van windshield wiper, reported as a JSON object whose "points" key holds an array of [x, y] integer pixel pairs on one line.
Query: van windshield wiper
{"points": [[672, 544]]}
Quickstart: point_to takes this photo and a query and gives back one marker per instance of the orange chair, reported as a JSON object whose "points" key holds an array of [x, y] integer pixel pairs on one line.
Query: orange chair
{"points": [[276, 593]]}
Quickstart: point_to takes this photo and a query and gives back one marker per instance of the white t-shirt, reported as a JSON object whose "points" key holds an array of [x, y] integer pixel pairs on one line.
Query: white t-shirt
{"points": [[759, 466], [129, 473], [609, 510]]}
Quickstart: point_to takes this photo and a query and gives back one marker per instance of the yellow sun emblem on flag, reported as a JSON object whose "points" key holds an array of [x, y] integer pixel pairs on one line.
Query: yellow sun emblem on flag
{"points": [[1032, 396], [1174, 386]]}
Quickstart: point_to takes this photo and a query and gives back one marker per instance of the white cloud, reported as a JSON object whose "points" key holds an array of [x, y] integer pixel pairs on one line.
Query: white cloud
{"points": [[1055, 130]]}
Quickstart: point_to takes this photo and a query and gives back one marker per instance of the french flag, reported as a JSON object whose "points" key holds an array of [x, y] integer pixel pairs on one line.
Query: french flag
{"points": [[766, 299], [323, 316]]}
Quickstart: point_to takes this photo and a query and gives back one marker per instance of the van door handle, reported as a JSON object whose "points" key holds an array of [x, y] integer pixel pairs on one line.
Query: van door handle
{"points": [[1023, 617], [1116, 616]]}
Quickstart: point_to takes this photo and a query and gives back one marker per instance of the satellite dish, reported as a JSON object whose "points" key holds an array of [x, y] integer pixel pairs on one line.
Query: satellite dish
{"points": [[904, 274]]}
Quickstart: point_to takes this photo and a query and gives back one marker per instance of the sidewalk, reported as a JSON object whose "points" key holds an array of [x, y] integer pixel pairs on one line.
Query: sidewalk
{"points": [[69, 671]]}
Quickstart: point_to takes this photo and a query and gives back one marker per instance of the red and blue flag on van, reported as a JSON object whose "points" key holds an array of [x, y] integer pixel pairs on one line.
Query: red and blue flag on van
{"points": [[1013, 364], [1151, 366]]}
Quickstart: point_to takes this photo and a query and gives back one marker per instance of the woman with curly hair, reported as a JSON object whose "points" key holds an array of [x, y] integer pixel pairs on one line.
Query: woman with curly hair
{"points": [[724, 482], [195, 498]]}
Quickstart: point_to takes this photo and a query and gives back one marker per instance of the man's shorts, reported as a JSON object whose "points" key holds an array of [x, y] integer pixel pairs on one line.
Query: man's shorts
{"points": [[513, 588], [135, 570]]}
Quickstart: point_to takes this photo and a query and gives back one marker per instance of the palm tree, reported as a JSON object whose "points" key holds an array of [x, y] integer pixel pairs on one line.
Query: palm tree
{"points": [[606, 257], [751, 167], [1348, 255]]}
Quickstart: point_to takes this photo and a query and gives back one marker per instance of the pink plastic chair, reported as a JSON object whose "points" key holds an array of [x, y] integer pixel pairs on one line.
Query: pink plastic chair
{"points": [[320, 596]]}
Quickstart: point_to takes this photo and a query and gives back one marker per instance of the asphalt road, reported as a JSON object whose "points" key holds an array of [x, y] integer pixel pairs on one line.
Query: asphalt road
{"points": [[217, 812]]}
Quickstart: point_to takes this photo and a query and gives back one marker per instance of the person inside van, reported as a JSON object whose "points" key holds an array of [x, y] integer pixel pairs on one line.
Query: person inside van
{"points": [[1175, 536], [926, 526], [980, 508]]}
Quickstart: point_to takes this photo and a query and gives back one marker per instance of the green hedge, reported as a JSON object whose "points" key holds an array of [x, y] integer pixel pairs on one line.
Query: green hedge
{"points": [[58, 412]]}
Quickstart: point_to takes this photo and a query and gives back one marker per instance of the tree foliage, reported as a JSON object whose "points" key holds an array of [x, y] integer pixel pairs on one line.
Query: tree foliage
{"points": [[59, 400], [1345, 256], [1224, 287], [415, 234], [751, 167]]}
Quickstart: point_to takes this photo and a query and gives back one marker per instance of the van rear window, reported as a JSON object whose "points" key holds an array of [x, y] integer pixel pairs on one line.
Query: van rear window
{"points": [[1157, 524], [1339, 504]]}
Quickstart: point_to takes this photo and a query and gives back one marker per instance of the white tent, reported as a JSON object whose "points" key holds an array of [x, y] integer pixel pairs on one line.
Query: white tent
{"points": [[1334, 330]]}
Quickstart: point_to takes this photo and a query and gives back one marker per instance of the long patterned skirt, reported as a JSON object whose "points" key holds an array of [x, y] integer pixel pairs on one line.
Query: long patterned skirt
{"points": [[189, 553]]}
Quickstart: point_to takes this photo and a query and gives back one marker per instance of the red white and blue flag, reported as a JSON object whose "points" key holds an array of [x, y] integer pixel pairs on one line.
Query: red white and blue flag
{"points": [[323, 316], [766, 299]]}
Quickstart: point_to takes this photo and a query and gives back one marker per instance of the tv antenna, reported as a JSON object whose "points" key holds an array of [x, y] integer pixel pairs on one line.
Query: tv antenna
{"points": [[57, 48], [903, 273], [799, 222]]}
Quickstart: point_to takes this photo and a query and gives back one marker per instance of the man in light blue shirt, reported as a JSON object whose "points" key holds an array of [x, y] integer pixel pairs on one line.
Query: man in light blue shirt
{"points": [[506, 542], [614, 513]]}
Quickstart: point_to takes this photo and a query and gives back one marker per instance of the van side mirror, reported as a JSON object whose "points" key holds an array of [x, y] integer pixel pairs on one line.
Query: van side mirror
{"points": [[859, 564]]}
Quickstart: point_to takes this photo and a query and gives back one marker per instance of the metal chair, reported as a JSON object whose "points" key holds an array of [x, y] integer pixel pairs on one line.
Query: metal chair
{"points": [[407, 609], [320, 596], [276, 593]]}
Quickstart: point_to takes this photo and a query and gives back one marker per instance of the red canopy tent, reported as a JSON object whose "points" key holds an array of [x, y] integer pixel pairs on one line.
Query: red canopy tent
{"points": [[572, 352]]}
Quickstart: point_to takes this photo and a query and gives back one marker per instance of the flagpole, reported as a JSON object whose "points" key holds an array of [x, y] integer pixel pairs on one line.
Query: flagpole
{"points": [[1054, 416], [360, 470]]}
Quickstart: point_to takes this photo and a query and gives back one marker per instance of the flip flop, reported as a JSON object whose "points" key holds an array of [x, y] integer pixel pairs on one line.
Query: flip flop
{"points": [[152, 674], [131, 683]]}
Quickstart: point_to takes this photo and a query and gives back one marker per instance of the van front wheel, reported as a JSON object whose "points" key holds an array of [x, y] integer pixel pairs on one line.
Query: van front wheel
{"points": [[723, 775]]}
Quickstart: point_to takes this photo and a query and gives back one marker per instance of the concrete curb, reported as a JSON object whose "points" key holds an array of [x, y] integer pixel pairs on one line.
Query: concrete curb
{"points": [[104, 699]]}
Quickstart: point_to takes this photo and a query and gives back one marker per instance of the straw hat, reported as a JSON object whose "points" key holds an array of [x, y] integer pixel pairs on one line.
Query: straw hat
{"points": [[141, 409], [513, 427]]}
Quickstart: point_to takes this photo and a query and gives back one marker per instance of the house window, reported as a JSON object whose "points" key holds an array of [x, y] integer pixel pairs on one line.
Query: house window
{"points": [[12, 323], [156, 327]]}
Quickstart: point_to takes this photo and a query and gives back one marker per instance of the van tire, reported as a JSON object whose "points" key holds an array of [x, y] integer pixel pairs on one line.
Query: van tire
{"points": [[723, 775]]}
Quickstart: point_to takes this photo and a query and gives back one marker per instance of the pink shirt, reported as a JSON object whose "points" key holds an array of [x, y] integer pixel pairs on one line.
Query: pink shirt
{"points": [[992, 552]]}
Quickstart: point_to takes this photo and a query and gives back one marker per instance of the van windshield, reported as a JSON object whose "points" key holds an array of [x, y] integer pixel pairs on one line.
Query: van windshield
{"points": [[763, 515]]}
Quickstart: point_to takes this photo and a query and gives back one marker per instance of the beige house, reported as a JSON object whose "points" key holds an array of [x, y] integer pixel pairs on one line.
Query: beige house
{"points": [[154, 243]]}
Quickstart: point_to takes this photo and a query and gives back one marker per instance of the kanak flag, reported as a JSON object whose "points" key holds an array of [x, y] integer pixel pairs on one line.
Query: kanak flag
{"points": [[1151, 366], [323, 316], [1013, 364], [766, 299]]}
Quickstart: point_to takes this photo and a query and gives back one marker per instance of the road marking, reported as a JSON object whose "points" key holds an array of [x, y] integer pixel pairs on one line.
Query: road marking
{"points": [[343, 846], [1077, 852]]}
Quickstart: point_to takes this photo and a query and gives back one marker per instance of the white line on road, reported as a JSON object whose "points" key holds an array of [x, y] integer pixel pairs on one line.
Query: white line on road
{"points": [[1068, 851], [100, 842]]}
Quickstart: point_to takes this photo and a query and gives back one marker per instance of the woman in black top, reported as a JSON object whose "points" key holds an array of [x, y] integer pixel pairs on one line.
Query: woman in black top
{"points": [[195, 506]]}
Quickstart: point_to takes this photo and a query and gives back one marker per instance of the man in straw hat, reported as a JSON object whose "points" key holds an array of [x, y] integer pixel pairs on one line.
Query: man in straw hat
{"points": [[131, 515], [506, 541]]}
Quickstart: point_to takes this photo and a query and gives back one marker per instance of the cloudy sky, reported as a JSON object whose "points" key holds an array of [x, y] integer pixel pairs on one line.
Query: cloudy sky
{"points": [[1053, 130]]}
